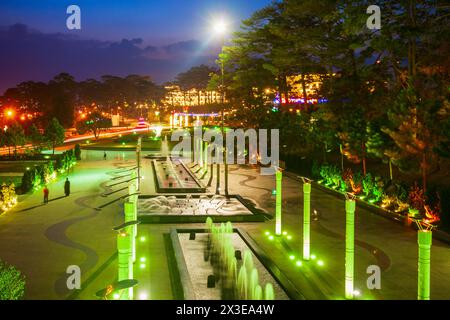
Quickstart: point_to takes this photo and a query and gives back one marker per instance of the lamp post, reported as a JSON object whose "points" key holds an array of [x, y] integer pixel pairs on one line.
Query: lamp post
{"points": [[424, 240], [349, 245], [278, 177], [125, 264], [306, 218], [220, 29]]}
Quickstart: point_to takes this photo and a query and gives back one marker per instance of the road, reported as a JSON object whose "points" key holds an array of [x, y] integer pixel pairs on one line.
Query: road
{"points": [[79, 138]]}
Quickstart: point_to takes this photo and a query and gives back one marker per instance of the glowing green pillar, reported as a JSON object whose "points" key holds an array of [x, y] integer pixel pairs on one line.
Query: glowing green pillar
{"points": [[130, 210], [138, 162], [125, 264], [349, 247], [200, 151], [279, 176], [132, 193], [424, 240], [205, 160], [134, 178], [306, 220]]}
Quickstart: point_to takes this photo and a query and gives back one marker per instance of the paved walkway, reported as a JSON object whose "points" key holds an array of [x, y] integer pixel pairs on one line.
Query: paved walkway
{"points": [[42, 240], [379, 241]]}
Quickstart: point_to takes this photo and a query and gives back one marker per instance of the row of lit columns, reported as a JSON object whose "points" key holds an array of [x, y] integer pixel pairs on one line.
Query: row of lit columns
{"points": [[424, 239], [202, 156], [181, 120]]}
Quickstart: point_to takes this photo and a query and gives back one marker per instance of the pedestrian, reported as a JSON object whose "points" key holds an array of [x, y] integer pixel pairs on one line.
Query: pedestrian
{"points": [[46, 192], [315, 215], [67, 187], [104, 155]]}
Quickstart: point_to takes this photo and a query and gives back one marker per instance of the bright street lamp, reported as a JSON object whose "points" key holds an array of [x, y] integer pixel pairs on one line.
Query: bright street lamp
{"points": [[220, 27], [9, 113]]}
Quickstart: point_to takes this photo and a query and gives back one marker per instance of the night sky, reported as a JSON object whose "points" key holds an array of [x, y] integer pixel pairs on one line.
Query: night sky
{"points": [[156, 38]]}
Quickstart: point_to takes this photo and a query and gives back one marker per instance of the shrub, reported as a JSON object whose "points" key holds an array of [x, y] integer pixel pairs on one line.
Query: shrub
{"points": [[378, 191], [416, 197], [357, 182], [335, 176], [77, 151], [325, 173], [367, 184], [27, 181], [343, 185], [315, 170], [402, 192], [12, 283]]}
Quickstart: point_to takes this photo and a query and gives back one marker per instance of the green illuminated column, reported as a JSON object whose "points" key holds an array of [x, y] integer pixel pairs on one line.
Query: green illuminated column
{"points": [[132, 193], [205, 162], [349, 247], [138, 162], [424, 241], [130, 209], [306, 219], [200, 150], [134, 178], [279, 176], [124, 261]]}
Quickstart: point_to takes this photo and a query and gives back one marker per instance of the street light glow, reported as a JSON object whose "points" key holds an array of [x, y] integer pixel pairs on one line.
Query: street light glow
{"points": [[9, 113], [220, 27]]}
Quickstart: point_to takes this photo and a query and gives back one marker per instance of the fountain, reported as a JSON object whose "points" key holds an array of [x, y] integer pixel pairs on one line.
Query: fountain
{"points": [[242, 283], [269, 293], [220, 252], [258, 294], [252, 284], [201, 206], [165, 148]]}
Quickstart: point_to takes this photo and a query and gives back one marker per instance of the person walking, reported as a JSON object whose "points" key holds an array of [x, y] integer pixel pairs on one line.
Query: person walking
{"points": [[104, 155], [46, 192], [67, 187]]}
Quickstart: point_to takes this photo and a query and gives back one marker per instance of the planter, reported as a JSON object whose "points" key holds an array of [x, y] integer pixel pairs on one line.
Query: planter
{"points": [[413, 213]]}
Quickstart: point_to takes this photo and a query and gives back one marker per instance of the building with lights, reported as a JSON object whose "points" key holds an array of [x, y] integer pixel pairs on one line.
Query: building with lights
{"points": [[176, 97], [312, 82]]}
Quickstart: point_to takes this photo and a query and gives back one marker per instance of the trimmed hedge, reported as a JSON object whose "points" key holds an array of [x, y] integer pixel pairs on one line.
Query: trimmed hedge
{"points": [[44, 173]]}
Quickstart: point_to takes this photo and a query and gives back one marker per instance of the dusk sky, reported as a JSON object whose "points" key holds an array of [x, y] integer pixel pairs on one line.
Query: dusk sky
{"points": [[156, 38]]}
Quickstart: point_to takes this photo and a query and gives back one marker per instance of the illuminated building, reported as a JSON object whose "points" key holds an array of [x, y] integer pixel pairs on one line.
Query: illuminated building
{"points": [[190, 98], [313, 83]]}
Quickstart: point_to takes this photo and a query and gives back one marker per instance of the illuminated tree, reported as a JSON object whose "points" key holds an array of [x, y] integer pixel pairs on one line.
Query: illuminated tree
{"points": [[15, 136], [54, 133], [95, 123]]}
